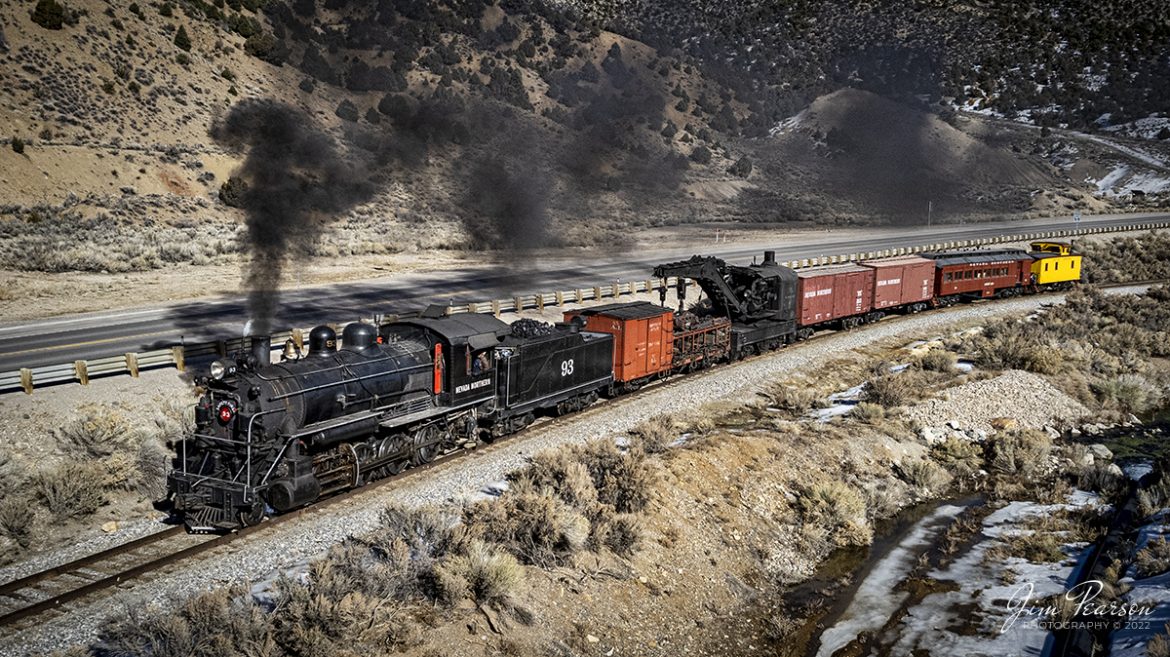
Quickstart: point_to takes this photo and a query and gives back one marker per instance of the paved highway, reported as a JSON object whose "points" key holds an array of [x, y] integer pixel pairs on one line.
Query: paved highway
{"points": [[93, 335]]}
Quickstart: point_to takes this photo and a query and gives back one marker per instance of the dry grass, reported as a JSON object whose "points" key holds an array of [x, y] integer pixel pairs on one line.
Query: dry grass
{"points": [[1159, 644], [891, 390], [1036, 547], [960, 457]]}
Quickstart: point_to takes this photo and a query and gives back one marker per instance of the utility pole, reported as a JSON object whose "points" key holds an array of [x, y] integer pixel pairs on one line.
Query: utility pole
{"points": [[929, 209]]}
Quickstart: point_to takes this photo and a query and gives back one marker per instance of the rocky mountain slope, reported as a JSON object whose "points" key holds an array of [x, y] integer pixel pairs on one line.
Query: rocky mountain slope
{"points": [[518, 123]]}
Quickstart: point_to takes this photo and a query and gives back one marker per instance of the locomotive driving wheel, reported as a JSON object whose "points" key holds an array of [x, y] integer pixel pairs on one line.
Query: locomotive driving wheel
{"points": [[252, 517], [425, 445], [392, 444]]}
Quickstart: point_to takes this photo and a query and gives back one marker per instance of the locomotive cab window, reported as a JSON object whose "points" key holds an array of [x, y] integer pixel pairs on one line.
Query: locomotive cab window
{"points": [[478, 362]]}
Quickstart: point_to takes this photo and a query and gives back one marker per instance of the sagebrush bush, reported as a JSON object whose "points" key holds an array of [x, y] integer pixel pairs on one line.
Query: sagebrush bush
{"points": [[219, 623], [891, 390], [1153, 559], [939, 360], [533, 523], [1021, 452], [960, 457], [71, 490], [1130, 393], [925, 474], [18, 520], [656, 434], [838, 508], [868, 412], [491, 575], [624, 480], [791, 398]]}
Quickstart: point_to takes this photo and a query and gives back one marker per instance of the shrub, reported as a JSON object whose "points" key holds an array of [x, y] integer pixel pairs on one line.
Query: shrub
{"points": [[741, 168], [925, 474], [266, 47], [560, 471], [534, 524], [1021, 452], [621, 534], [655, 434], [1130, 393], [939, 360], [49, 14], [219, 622], [18, 520], [623, 480], [491, 575], [1153, 559], [182, 59], [233, 192], [98, 433], [73, 490], [18, 145], [868, 413], [793, 398], [182, 39], [890, 390], [1159, 645], [701, 155], [1104, 479], [347, 111], [961, 457], [837, 508]]}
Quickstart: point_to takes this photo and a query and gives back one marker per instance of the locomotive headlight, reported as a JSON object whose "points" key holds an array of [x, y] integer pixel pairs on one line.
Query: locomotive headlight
{"points": [[218, 369]]}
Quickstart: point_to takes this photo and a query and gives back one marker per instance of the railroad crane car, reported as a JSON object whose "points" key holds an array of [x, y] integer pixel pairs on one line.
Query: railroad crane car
{"points": [[759, 300]]}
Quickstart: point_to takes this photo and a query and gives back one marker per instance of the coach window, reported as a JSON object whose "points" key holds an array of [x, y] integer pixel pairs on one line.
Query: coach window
{"points": [[1046, 266], [481, 363], [1057, 267], [949, 277]]}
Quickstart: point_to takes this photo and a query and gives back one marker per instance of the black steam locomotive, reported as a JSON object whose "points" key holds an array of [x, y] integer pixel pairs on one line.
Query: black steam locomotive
{"points": [[276, 436]]}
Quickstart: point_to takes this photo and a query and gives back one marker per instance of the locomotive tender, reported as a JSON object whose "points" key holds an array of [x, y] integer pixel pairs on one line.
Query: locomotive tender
{"points": [[271, 437]]}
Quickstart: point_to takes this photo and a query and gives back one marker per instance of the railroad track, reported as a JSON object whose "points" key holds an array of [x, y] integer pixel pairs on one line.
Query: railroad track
{"points": [[57, 590]]}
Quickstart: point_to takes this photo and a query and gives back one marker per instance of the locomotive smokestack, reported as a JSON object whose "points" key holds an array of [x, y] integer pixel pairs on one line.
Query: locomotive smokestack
{"points": [[262, 350], [769, 257]]}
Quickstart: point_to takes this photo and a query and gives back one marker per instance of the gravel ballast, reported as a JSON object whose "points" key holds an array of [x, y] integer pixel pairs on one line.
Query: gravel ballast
{"points": [[257, 558]]}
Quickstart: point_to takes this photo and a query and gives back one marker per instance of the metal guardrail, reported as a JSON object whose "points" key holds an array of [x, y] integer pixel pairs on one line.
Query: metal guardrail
{"points": [[81, 371]]}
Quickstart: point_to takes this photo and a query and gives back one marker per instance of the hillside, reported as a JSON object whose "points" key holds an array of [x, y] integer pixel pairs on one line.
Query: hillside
{"points": [[147, 135]]}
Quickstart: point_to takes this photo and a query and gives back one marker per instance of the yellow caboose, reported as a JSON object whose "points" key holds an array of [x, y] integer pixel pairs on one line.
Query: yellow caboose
{"points": [[1055, 263]]}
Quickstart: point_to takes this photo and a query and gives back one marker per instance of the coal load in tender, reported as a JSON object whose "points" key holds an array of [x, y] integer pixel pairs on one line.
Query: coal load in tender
{"points": [[531, 328]]}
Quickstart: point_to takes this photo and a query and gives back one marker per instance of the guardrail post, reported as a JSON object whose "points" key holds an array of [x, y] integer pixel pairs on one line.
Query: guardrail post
{"points": [[298, 339], [496, 307], [82, 372], [540, 302], [26, 380], [617, 290], [517, 304], [473, 307], [597, 293], [179, 359], [560, 298], [649, 286], [132, 364], [221, 348]]}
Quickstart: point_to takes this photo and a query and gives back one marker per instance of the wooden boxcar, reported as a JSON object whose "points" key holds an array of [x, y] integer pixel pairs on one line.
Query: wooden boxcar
{"points": [[833, 293], [643, 341], [902, 282], [980, 274]]}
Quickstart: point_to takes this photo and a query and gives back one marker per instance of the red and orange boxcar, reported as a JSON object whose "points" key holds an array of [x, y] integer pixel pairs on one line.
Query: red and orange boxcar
{"points": [[902, 282], [836, 292]]}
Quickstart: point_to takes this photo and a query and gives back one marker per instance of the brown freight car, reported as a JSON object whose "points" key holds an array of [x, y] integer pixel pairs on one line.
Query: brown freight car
{"points": [[841, 294], [903, 282]]}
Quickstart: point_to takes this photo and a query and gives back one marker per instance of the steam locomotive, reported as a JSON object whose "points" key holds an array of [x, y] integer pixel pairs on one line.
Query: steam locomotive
{"points": [[276, 436], [272, 437]]}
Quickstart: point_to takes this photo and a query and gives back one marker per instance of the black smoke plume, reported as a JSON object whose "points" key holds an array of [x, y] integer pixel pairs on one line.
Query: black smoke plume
{"points": [[296, 180]]}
